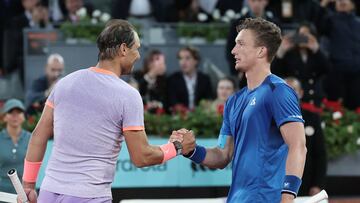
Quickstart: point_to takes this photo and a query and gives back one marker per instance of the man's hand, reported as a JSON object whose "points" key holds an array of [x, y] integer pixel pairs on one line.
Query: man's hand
{"points": [[188, 139], [287, 198], [314, 190], [312, 44], [285, 46], [31, 195]]}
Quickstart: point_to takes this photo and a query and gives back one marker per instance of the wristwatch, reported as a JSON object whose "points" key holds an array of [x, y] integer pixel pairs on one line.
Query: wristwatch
{"points": [[178, 147]]}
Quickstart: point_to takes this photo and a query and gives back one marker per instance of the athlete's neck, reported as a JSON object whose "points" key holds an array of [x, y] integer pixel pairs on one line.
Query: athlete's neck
{"points": [[257, 75], [112, 66]]}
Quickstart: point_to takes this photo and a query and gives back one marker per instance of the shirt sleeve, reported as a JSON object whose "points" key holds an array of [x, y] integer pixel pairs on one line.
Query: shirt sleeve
{"points": [[285, 105], [133, 113], [225, 128], [50, 101]]}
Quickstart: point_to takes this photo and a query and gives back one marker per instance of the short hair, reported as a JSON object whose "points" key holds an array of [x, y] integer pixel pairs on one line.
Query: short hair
{"points": [[149, 58], [193, 51], [266, 34], [115, 33], [55, 57]]}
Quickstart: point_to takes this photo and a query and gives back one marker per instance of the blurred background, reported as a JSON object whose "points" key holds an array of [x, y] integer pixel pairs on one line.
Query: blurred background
{"points": [[42, 41]]}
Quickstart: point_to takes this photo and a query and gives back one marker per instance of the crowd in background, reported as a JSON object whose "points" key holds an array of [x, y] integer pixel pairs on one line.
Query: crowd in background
{"points": [[319, 55]]}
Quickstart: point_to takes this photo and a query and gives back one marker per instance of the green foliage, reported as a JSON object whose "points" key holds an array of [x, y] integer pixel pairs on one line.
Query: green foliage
{"points": [[83, 30], [209, 31], [342, 135], [204, 122]]}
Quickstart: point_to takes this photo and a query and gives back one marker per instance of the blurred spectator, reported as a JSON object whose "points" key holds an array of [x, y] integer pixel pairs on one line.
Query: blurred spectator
{"points": [[342, 28], [8, 9], [225, 88], [152, 81], [35, 15], [235, 5], [41, 87], [162, 11], [299, 56], [294, 11], [187, 10], [66, 10], [188, 86], [72, 6], [313, 179], [13, 143], [254, 8]]}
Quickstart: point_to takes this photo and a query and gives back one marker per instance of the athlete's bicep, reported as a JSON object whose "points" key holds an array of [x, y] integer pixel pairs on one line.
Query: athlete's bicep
{"points": [[293, 133]]}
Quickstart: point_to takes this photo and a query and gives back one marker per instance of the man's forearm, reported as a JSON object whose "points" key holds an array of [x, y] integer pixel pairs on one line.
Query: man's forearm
{"points": [[295, 161], [216, 158], [36, 148]]}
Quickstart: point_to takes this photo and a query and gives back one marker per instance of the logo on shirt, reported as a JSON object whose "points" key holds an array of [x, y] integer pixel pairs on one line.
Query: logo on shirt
{"points": [[253, 102]]}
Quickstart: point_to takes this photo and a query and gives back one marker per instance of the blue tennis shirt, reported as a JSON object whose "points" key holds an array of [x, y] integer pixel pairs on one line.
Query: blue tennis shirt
{"points": [[253, 118]]}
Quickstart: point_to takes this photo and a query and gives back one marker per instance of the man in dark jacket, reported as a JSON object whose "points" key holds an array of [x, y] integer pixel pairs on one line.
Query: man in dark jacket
{"points": [[188, 86]]}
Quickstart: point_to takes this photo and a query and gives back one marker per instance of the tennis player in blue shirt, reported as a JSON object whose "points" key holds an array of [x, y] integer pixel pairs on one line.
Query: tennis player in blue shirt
{"points": [[263, 130]]}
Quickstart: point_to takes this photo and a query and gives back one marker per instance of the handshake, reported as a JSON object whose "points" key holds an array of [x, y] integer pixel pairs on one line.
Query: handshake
{"points": [[186, 138]]}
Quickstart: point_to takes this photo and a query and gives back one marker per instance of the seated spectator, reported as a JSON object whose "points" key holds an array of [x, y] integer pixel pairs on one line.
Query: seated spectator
{"points": [[13, 143], [41, 87], [225, 88], [35, 15], [313, 180], [152, 81], [299, 56], [254, 8], [66, 10], [188, 86], [342, 29]]}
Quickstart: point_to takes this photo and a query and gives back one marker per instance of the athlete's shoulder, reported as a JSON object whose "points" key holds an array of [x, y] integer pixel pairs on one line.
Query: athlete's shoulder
{"points": [[130, 90], [279, 88], [276, 83]]}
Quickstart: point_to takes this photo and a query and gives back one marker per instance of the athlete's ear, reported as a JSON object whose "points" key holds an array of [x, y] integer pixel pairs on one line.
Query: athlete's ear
{"points": [[122, 49], [262, 52]]}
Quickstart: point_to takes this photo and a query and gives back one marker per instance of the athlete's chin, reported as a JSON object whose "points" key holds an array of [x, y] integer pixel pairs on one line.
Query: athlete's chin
{"points": [[238, 67]]}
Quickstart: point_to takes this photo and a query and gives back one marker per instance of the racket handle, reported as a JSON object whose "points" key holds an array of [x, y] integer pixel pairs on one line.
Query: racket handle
{"points": [[17, 185]]}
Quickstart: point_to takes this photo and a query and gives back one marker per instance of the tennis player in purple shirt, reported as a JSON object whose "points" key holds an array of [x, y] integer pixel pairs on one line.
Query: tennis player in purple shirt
{"points": [[90, 113]]}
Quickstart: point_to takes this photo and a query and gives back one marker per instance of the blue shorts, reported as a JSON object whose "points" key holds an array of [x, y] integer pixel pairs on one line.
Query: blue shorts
{"points": [[46, 197]]}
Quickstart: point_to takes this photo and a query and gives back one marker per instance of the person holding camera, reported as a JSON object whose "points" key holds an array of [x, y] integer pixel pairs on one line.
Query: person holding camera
{"points": [[300, 56]]}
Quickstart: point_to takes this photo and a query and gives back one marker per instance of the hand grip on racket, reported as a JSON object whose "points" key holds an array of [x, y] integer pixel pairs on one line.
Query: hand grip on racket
{"points": [[17, 185], [318, 197]]}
